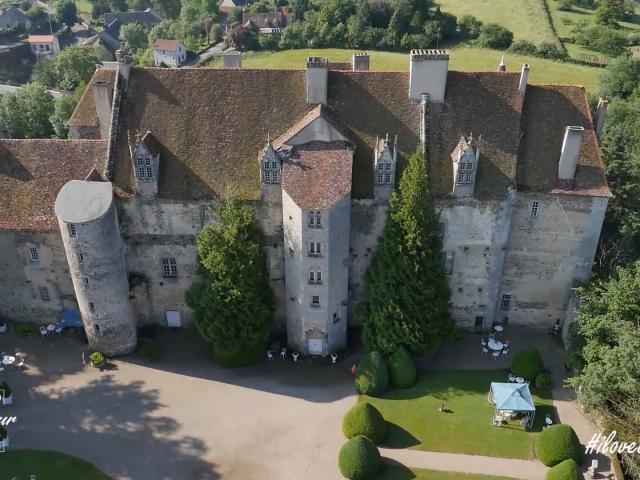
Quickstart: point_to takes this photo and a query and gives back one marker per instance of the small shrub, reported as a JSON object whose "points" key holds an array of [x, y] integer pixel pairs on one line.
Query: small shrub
{"points": [[402, 368], [3, 433], [149, 352], [28, 330], [527, 364], [5, 390], [523, 47], [359, 459], [544, 381], [566, 470], [557, 444], [469, 26], [372, 377], [495, 36], [97, 359], [566, 5], [364, 419], [551, 51]]}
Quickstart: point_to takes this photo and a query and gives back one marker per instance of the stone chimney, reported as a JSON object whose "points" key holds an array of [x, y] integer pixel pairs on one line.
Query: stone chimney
{"points": [[570, 152], [124, 68], [360, 62], [524, 78], [503, 66], [317, 80], [103, 96], [428, 74], [601, 115], [232, 59]]}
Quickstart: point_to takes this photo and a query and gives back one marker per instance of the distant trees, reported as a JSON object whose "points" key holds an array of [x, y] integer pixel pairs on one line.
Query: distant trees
{"points": [[170, 9], [408, 263], [26, 112], [72, 67], [243, 38], [609, 12], [62, 111], [133, 37], [495, 36], [66, 12]]}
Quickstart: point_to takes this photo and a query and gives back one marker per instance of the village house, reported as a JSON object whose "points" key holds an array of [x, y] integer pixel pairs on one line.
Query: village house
{"points": [[169, 53], [267, 23], [44, 47], [12, 17], [515, 168]]}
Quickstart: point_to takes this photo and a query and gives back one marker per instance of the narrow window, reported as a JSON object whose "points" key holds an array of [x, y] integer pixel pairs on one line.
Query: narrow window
{"points": [[380, 177], [460, 176], [387, 177], [535, 206], [72, 230], [169, 267], [318, 217], [44, 294], [275, 176], [311, 220], [318, 277], [448, 263], [96, 327], [505, 302], [267, 176], [266, 165], [461, 165], [380, 166], [140, 173], [274, 165], [140, 162], [80, 258], [86, 281], [147, 162], [312, 277], [33, 253], [315, 301], [149, 172], [92, 307], [468, 177], [387, 167]]}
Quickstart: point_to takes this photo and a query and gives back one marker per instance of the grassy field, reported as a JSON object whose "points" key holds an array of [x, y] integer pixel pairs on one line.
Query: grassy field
{"points": [[416, 422], [393, 472], [525, 18], [46, 464], [83, 6], [464, 59]]}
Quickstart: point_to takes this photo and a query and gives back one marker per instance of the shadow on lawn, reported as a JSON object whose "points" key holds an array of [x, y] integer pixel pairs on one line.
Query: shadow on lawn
{"points": [[393, 470], [399, 437]]}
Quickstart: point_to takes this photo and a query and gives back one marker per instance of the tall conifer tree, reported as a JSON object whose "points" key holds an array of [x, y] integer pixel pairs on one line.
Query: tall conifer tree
{"points": [[406, 293]]}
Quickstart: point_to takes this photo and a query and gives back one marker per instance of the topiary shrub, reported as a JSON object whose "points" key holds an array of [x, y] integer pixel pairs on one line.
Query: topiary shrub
{"points": [[557, 444], [566, 470], [364, 419], [359, 459], [372, 377], [97, 359], [544, 381], [28, 330], [402, 368], [527, 364]]}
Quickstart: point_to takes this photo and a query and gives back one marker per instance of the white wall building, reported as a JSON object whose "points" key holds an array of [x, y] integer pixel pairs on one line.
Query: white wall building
{"points": [[169, 53]]}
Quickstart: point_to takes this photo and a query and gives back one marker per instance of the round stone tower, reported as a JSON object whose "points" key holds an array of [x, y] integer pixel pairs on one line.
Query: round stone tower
{"points": [[88, 222]]}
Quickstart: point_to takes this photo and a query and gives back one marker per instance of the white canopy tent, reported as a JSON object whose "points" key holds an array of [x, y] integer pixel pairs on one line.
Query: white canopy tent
{"points": [[512, 397]]}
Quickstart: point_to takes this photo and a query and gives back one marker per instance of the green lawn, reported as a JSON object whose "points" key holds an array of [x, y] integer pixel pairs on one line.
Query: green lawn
{"points": [[525, 18], [464, 59], [46, 464], [403, 473], [415, 421], [84, 6]]}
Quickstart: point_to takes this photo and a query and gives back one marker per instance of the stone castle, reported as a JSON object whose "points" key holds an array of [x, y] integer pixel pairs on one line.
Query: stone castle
{"points": [[106, 223]]}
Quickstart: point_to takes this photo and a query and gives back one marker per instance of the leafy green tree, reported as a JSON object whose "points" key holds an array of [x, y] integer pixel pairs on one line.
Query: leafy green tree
{"points": [[139, 5], [243, 38], [620, 78], [495, 36], [408, 262], [133, 37], [168, 8], [609, 12], [62, 111], [262, 6], [469, 26], [233, 306], [66, 12], [69, 69], [99, 8], [607, 321], [26, 112]]}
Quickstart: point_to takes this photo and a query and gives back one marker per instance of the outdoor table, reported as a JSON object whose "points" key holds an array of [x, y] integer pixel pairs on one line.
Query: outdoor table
{"points": [[499, 328], [519, 380], [494, 344], [51, 327], [8, 360]]}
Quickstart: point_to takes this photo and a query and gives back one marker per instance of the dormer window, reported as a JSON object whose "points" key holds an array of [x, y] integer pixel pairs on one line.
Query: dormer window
{"points": [[270, 171]]}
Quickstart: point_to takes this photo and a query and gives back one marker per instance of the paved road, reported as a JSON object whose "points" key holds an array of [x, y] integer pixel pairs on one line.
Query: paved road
{"points": [[206, 55], [14, 88]]}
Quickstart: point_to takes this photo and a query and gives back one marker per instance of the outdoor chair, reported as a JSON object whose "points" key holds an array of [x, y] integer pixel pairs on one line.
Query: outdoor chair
{"points": [[506, 343], [43, 331], [505, 352], [485, 350], [497, 421], [19, 362], [283, 353], [512, 378], [1, 370], [58, 330], [495, 355], [18, 352], [483, 341], [593, 469], [269, 355]]}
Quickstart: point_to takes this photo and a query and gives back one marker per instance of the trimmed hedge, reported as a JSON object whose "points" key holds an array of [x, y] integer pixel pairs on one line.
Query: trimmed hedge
{"points": [[566, 470], [359, 459], [527, 364], [364, 419], [402, 368], [557, 444], [544, 381], [372, 377]]}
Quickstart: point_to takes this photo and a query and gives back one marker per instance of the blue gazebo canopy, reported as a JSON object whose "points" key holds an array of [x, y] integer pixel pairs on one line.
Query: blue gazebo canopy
{"points": [[512, 396]]}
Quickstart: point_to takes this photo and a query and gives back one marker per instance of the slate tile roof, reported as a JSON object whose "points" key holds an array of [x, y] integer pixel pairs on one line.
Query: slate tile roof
{"points": [[211, 133], [548, 110], [32, 172], [318, 174]]}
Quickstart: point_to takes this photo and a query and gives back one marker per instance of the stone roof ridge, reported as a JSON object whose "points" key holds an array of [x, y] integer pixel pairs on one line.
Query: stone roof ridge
{"points": [[151, 142]]}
